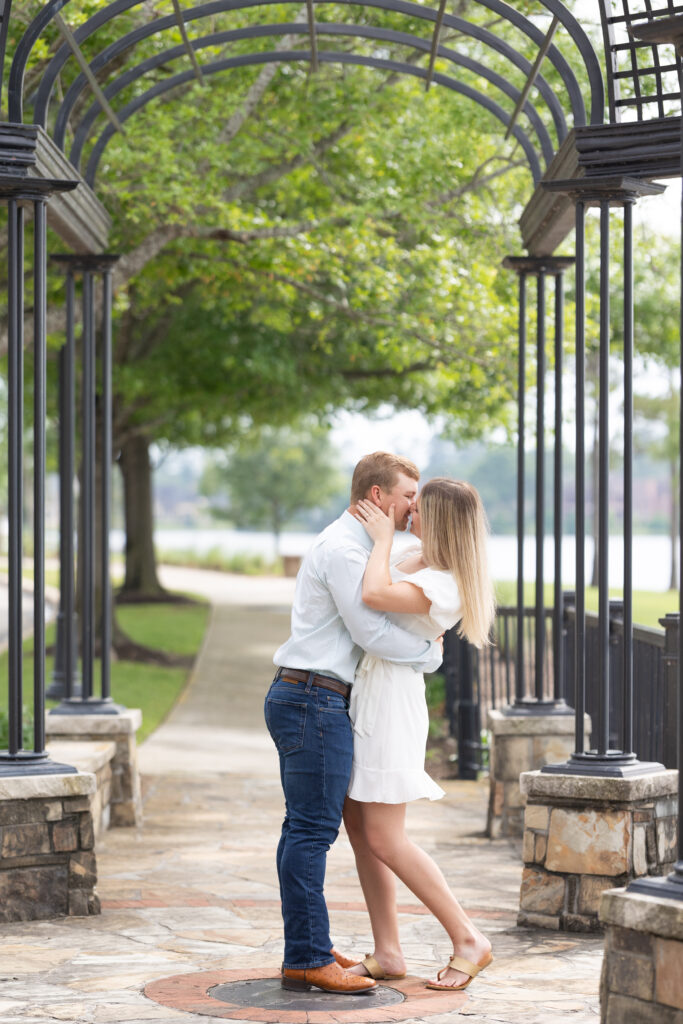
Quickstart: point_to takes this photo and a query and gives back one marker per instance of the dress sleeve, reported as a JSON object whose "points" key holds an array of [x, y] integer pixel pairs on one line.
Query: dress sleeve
{"points": [[442, 591]]}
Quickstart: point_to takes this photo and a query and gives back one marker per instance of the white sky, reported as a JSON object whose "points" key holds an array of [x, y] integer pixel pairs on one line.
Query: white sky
{"points": [[405, 433]]}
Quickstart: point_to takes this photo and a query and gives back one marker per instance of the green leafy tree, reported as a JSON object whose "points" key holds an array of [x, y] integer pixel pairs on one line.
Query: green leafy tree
{"points": [[273, 474], [295, 242]]}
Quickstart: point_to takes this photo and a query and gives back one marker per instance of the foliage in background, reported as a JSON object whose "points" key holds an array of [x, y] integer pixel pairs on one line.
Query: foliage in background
{"points": [[176, 629], [271, 474]]}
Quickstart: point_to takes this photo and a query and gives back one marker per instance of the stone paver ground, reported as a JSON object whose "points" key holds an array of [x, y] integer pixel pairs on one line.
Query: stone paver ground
{"points": [[195, 890]]}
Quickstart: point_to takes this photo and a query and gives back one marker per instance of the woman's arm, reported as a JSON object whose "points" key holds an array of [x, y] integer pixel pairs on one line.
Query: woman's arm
{"points": [[379, 591]]}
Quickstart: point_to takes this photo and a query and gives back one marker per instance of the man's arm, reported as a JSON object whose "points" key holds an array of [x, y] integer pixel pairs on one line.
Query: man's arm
{"points": [[370, 629]]}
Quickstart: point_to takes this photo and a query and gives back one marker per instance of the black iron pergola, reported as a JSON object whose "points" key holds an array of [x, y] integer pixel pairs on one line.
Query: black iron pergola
{"points": [[596, 130]]}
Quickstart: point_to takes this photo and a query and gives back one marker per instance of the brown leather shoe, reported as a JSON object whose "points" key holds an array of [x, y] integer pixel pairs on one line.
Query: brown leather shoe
{"points": [[330, 978], [344, 961]]}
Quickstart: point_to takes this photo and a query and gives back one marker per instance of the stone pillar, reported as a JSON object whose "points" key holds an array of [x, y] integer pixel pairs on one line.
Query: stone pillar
{"points": [[643, 967], [521, 743], [126, 801], [586, 834], [47, 857], [95, 758]]}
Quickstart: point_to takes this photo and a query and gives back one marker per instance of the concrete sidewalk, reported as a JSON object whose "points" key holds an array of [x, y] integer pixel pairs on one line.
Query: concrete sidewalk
{"points": [[191, 900]]}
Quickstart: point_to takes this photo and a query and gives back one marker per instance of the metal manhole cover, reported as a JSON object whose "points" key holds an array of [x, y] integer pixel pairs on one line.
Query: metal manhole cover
{"points": [[267, 993]]}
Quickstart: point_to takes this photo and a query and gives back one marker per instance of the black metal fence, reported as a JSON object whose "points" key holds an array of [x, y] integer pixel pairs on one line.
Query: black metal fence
{"points": [[477, 680]]}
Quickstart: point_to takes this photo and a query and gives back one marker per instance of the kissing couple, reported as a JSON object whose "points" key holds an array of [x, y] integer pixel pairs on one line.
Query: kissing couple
{"points": [[348, 715]]}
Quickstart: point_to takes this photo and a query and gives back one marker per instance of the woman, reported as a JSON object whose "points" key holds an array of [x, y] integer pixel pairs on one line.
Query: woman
{"points": [[430, 589]]}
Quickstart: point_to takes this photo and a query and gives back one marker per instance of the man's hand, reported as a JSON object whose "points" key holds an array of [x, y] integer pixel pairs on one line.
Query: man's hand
{"points": [[378, 525]]}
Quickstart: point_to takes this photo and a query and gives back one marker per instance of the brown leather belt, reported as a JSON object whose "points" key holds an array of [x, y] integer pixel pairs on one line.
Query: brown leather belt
{"points": [[296, 675]]}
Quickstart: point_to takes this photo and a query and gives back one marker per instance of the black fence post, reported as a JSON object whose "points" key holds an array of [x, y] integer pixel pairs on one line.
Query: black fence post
{"points": [[462, 702], [671, 624]]}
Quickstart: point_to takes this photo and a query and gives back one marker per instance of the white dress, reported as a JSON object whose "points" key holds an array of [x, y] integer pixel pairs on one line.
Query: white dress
{"points": [[388, 707]]}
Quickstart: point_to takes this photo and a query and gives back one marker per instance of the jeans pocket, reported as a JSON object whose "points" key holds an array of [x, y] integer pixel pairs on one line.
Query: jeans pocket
{"points": [[286, 723], [334, 702]]}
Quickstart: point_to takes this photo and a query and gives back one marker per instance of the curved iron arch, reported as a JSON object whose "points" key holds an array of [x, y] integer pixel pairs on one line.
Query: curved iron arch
{"points": [[305, 55], [126, 42], [590, 57], [297, 28], [398, 6]]}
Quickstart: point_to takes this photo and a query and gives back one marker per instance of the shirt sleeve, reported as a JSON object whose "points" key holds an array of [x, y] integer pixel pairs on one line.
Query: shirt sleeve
{"points": [[442, 591], [370, 629]]}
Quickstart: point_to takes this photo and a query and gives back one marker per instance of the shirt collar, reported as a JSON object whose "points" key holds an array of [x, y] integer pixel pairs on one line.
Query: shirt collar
{"points": [[357, 530]]}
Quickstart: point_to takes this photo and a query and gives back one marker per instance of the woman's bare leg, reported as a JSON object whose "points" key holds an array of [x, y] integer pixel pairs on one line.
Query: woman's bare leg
{"points": [[384, 833], [378, 883]]}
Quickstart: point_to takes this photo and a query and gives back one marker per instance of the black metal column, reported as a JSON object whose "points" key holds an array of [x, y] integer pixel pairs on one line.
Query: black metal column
{"points": [[539, 604], [106, 413], [39, 418], [65, 676], [93, 628], [18, 194], [580, 537], [539, 267], [671, 887], [88, 468], [605, 194], [520, 690], [601, 726], [15, 359], [558, 602], [627, 724]]}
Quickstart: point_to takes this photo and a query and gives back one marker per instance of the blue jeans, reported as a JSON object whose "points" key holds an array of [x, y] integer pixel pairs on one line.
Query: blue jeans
{"points": [[312, 732]]}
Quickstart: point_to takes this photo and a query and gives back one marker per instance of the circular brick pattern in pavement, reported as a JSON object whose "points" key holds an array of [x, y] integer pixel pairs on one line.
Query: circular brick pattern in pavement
{"points": [[195, 993], [269, 994]]}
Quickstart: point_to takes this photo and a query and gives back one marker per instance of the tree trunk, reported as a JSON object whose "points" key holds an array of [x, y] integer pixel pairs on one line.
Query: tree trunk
{"points": [[141, 582], [673, 524]]}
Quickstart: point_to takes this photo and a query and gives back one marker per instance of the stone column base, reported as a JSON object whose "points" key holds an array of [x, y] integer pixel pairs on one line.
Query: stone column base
{"points": [[521, 743], [95, 758], [126, 801], [584, 834], [642, 973], [47, 860]]}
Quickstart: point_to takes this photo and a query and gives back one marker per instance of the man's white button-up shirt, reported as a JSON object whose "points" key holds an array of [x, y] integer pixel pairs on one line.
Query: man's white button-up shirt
{"points": [[331, 627]]}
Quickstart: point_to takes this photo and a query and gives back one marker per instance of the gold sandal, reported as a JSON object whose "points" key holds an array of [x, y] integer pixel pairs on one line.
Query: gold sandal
{"points": [[376, 971], [458, 963]]}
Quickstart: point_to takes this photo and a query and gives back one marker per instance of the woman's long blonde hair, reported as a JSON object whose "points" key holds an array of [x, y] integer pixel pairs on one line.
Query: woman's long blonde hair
{"points": [[454, 532]]}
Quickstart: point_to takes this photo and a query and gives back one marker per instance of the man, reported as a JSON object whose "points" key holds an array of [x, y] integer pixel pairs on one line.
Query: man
{"points": [[307, 713]]}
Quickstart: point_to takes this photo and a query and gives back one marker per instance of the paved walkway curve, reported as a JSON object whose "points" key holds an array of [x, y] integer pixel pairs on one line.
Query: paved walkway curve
{"points": [[192, 896]]}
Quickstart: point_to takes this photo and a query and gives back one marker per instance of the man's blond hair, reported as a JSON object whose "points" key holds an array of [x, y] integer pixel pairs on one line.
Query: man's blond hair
{"points": [[383, 469]]}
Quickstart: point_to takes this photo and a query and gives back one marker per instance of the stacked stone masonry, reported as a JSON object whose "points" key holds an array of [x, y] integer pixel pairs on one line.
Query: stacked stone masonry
{"points": [[125, 804], [522, 743], [47, 839], [642, 973], [584, 835], [96, 758]]}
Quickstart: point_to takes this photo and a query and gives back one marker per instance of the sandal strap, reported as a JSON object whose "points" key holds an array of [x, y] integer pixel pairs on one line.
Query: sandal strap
{"points": [[373, 967], [458, 963]]}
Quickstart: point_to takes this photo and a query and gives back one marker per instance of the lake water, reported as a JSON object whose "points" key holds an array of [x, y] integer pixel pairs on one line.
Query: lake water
{"points": [[650, 553]]}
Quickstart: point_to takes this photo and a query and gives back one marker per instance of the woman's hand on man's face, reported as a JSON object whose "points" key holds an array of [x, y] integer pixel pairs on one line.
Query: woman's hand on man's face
{"points": [[378, 525]]}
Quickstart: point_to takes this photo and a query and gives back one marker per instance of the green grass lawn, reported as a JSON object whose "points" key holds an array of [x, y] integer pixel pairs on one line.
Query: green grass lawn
{"points": [[176, 628], [648, 605]]}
